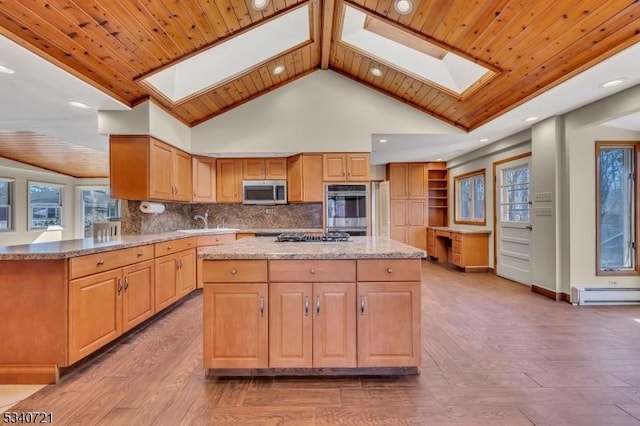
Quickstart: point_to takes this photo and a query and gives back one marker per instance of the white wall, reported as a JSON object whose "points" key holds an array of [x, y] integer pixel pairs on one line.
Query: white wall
{"points": [[483, 159], [22, 174], [321, 112]]}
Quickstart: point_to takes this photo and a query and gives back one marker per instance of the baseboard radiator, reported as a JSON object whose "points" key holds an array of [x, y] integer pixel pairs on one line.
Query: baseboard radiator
{"points": [[605, 296]]}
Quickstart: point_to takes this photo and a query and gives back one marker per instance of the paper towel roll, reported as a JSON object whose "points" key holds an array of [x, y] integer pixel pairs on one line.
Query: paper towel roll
{"points": [[149, 207]]}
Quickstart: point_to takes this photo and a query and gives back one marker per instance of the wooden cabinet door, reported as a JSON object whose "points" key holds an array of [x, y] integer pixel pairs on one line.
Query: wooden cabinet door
{"points": [[161, 171], [204, 179], [304, 178], [138, 294], [389, 324], [294, 178], [290, 325], [228, 181], [95, 312], [399, 213], [235, 326], [275, 168], [166, 291], [416, 186], [182, 176], [334, 325], [334, 167], [129, 167], [186, 274], [397, 175], [253, 168], [358, 167]]}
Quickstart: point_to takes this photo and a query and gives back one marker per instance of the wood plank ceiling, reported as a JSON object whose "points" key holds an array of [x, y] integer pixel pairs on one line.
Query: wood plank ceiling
{"points": [[532, 45]]}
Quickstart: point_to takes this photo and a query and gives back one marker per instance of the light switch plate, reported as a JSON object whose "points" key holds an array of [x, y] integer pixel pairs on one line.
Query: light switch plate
{"points": [[542, 211], [542, 196]]}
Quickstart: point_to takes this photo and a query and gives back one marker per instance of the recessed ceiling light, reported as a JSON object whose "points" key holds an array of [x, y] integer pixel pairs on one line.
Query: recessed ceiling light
{"points": [[530, 119], [5, 70], [278, 70], [439, 159], [259, 4], [612, 83], [78, 105], [376, 71], [382, 141], [484, 140], [403, 6]]}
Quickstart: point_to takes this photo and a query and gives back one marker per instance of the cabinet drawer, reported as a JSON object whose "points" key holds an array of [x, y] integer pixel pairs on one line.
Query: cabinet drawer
{"points": [[446, 234], [456, 236], [389, 270], [455, 246], [99, 262], [170, 247], [214, 240], [456, 259], [234, 271], [312, 270]]}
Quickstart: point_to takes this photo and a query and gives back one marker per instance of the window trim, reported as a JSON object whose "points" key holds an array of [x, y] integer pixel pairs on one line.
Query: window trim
{"points": [[636, 192], [11, 227], [61, 187], [457, 202]]}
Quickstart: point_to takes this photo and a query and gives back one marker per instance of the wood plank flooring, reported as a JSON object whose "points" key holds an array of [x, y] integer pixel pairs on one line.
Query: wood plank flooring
{"points": [[493, 353]]}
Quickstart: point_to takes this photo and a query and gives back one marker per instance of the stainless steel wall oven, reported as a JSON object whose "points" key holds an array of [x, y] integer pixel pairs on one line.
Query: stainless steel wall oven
{"points": [[347, 208]]}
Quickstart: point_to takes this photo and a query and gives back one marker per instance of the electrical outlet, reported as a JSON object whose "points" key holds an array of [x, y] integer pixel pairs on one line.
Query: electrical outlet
{"points": [[542, 197], [613, 283], [542, 211], [268, 211]]}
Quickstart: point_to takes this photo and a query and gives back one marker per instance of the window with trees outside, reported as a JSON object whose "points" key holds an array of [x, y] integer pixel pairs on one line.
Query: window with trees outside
{"points": [[6, 189], [98, 206], [616, 207], [45, 205], [470, 198]]}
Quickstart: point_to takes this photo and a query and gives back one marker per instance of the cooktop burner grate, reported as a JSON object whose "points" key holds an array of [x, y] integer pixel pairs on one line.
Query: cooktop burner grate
{"points": [[299, 237]]}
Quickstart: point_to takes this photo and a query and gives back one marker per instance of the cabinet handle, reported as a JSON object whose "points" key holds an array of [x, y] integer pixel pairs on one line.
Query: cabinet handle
{"points": [[177, 265], [140, 253], [348, 172], [362, 305], [119, 286], [312, 271], [306, 306], [389, 270], [100, 262], [234, 271], [261, 306], [126, 284], [318, 305], [168, 247], [181, 264]]}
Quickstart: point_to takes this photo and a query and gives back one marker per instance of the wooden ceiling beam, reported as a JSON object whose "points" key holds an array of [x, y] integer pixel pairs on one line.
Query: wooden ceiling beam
{"points": [[329, 7]]}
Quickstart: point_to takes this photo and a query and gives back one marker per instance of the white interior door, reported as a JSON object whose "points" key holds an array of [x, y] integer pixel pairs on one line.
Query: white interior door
{"points": [[384, 215], [513, 225]]}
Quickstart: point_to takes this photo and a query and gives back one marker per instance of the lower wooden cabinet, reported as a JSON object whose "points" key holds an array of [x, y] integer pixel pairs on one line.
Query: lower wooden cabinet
{"points": [[235, 326], [312, 325], [138, 302], [175, 277]]}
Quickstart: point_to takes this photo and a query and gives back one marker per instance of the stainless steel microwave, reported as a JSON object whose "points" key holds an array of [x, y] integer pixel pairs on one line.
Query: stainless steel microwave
{"points": [[264, 192]]}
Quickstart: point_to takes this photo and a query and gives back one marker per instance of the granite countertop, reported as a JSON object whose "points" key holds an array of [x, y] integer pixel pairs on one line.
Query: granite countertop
{"points": [[80, 247], [460, 230], [355, 248]]}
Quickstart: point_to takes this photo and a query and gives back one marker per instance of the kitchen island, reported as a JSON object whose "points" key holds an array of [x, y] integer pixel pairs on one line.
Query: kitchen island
{"points": [[311, 308]]}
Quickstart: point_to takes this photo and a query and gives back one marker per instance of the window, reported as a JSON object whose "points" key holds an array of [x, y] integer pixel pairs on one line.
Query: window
{"points": [[469, 198], [6, 189], [616, 207], [514, 194], [45, 205], [98, 206]]}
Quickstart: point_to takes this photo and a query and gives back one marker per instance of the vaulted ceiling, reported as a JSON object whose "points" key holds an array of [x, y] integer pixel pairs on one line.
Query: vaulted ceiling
{"points": [[528, 45]]}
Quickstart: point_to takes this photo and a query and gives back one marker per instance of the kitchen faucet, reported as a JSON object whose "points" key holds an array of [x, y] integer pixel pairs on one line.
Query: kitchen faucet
{"points": [[204, 218]]}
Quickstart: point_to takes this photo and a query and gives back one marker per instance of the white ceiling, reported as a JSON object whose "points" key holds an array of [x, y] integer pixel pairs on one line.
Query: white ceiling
{"points": [[35, 99]]}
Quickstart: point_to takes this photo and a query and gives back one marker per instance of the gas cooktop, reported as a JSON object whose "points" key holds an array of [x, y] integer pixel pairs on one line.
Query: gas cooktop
{"points": [[299, 237]]}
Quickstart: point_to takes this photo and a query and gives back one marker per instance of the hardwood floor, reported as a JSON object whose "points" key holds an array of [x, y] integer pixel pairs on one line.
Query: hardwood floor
{"points": [[493, 353]]}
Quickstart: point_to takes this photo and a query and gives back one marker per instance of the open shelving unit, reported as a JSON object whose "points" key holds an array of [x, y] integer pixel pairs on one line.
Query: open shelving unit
{"points": [[438, 194]]}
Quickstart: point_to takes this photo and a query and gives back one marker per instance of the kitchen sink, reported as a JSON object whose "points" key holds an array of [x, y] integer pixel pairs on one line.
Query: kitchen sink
{"points": [[209, 231]]}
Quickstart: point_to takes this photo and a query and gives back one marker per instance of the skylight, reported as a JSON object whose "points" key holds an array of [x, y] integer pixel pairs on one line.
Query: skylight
{"points": [[233, 57], [410, 54]]}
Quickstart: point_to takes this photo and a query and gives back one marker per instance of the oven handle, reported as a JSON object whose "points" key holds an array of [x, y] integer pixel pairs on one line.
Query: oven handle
{"points": [[346, 194]]}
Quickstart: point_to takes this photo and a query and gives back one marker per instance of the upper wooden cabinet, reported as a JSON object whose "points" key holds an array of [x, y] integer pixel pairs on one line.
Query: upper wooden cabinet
{"points": [[407, 180], [229, 180], [304, 181], [204, 179], [264, 168], [144, 168], [353, 167]]}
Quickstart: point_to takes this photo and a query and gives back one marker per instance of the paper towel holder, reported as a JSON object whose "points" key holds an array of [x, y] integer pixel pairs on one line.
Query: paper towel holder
{"points": [[150, 207]]}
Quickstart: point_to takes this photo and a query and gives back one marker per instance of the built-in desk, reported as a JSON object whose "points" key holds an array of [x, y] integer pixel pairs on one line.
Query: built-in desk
{"points": [[467, 249]]}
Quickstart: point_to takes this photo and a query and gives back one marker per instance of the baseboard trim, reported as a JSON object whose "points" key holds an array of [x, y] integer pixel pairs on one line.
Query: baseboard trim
{"points": [[29, 374], [368, 371], [558, 297]]}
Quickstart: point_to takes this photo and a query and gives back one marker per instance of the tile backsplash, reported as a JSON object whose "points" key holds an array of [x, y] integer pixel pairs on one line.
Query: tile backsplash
{"points": [[180, 216]]}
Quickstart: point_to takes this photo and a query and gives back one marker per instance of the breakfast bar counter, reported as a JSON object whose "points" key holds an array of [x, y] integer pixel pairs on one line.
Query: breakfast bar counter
{"points": [[311, 308]]}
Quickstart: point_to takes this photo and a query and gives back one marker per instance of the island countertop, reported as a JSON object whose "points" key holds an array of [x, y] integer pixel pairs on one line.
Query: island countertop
{"points": [[269, 248]]}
